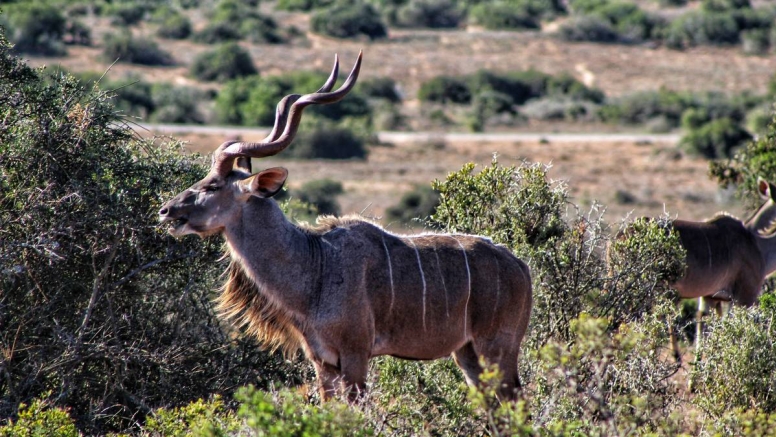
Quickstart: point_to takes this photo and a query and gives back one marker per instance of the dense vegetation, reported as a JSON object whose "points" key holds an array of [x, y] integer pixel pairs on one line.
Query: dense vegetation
{"points": [[106, 323], [99, 310]]}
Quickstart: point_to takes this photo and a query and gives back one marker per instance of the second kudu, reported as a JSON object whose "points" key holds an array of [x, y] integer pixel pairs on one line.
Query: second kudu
{"points": [[727, 259], [347, 290]]}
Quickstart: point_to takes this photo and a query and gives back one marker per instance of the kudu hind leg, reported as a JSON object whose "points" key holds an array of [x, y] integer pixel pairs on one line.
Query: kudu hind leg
{"points": [[466, 358]]}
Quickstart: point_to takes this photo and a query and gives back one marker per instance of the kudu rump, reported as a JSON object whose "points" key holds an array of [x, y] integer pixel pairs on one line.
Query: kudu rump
{"points": [[347, 290]]}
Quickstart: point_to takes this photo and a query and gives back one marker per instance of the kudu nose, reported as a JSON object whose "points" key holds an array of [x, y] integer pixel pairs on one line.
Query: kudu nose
{"points": [[164, 211]]}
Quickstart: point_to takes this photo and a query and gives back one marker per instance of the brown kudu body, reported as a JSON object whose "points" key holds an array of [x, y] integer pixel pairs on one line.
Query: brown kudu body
{"points": [[347, 290], [727, 260]]}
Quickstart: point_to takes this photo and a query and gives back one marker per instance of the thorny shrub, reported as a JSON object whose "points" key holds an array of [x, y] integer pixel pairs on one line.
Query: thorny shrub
{"points": [[99, 307]]}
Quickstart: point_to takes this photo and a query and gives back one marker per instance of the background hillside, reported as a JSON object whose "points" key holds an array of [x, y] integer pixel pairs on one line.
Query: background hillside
{"points": [[618, 66]]}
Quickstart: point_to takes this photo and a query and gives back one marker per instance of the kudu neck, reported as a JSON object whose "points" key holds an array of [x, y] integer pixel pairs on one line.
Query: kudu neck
{"points": [[767, 246], [762, 219], [279, 256]]}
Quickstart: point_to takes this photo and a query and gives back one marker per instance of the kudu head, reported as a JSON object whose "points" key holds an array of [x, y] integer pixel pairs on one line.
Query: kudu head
{"points": [[762, 220], [208, 206]]}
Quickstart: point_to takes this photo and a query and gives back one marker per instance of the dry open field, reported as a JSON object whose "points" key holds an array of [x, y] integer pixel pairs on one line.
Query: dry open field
{"points": [[657, 176]]}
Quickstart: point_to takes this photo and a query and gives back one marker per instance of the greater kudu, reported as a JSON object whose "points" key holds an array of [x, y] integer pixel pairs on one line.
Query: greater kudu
{"points": [[727, 259], [347, 290]]}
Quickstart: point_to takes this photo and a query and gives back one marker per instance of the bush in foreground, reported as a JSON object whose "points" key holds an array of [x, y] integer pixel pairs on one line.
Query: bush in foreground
{"points": [[100, 308]]}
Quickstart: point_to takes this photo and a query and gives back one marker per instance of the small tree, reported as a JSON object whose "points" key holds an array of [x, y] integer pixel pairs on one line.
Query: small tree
{"points": [[346, 20], [415, 206], [322, 194], [443, 89], [716, 139], [36, 28], [228, 61], [123, 47], [98, 305]]}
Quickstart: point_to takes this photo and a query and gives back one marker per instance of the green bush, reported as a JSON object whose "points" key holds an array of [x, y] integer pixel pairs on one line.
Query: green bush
{"points": [[724, 5], [716, 139], [738, 364], [756, 41], [99, 305], [36, 28], [40, 419], [349, 20], [444, 89], [233, 21], [631, 23], [228, 61], [322, 194], [415, 207], [428, 13], [380, 88], [502, 15], [174, 26], [123, 47], [131, 97], [77, 33], [176, 104], [559, 108], [287, 413], [584, 7], [754, 160], [543, 9], [702, 28], [604, 383], [672, 3], [201, 418], [324, 141], [588, 28], [126, 13], [567, 86], [256, 28], [640, 107], [303, 5], [251, 100]]}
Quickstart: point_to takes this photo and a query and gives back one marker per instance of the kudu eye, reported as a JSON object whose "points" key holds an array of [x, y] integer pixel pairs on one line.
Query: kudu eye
{"points": [[212, 188]]}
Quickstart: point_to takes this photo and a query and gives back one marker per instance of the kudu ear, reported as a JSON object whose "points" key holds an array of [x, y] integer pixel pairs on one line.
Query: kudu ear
{"points": [[266, 183], [767, 190]]}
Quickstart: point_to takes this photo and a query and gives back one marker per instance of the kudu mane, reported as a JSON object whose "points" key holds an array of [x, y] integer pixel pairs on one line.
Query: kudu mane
{"points": [[242, 302]]}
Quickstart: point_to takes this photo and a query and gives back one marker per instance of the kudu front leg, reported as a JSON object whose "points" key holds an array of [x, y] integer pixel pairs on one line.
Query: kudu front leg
{"points": [[354, 370], [327, 376]]}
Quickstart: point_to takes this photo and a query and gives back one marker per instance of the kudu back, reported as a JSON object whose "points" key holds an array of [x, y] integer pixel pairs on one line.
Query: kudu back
{"points": [[347, 290]]}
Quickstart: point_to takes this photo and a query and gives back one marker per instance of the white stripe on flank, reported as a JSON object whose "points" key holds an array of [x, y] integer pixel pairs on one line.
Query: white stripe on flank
{"points": [[469, 293], [422, 278], [498, 289], [444, 287], [390, 274]]}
